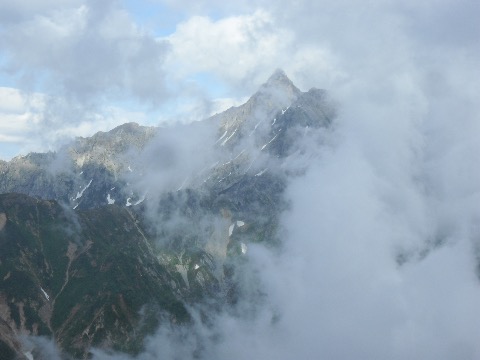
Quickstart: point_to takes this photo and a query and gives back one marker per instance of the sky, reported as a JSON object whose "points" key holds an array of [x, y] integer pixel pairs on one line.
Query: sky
{"points": [[72, 68], [400, 172]]}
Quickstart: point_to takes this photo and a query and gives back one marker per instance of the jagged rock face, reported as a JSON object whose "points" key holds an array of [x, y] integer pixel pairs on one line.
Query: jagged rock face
{"points": [[95, 163], [111, 149], [87, 266]]}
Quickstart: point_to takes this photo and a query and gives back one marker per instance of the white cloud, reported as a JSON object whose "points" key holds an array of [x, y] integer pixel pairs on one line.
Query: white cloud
{"points": [[12, 11], [232, 47], [244, 50], [91, 53], [221, 104], [402, 174], [18, 115], [93, 50], [86, 58], [22, 126]]}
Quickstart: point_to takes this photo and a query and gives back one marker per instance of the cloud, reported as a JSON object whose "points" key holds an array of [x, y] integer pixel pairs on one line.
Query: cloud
{"points": [[22, 124], [232, 47], [11, 12], [171, 160], [345, 36], [447, 24], [41, 348], [350, 213], [18, 113], [85, 58], [88, 50], [243, 50], [400, 177]]}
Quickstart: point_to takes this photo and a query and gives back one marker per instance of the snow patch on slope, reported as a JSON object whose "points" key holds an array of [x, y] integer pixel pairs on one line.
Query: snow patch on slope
{"points": [[45, 294], [80, 194]]}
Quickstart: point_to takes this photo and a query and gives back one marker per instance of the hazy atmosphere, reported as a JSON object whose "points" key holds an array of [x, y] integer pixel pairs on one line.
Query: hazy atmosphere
{"points": [[380, 237]]}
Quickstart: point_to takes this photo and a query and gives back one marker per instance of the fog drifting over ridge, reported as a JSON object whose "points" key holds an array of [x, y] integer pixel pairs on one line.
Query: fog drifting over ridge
{"points": [[380, 253], [336, 290]]}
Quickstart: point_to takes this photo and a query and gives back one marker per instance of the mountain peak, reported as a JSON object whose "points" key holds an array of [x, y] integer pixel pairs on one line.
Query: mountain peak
{"points": [[278, 76], [280, 79], [279, 89], [280, 83]]}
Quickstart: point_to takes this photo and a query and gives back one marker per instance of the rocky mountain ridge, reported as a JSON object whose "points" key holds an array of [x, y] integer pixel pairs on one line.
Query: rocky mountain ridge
{"points": [[94, 171], [128, 222]]}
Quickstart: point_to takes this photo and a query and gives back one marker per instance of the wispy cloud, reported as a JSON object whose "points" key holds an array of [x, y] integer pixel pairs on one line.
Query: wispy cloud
{"points": [[83, 57]]}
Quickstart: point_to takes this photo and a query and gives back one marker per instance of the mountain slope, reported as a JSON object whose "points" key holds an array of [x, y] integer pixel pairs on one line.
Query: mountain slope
{"points": [[79, 277]]}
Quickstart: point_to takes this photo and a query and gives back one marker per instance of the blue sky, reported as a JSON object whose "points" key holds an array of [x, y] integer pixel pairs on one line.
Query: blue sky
{"points": [[80, 66], [157, 17]]}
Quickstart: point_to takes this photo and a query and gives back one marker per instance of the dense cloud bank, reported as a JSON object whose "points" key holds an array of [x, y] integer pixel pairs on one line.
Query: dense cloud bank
{"points": [[338, 289], [380, 252]]}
